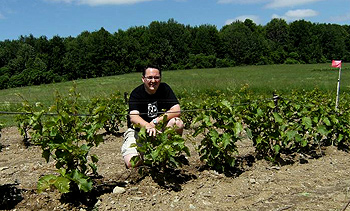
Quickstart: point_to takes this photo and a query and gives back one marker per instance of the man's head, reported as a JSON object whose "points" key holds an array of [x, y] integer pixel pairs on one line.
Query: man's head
{"points": [[151, 78]]}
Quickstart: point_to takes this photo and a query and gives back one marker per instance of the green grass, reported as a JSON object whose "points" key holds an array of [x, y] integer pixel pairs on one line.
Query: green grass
{"points": [[262, 80]]}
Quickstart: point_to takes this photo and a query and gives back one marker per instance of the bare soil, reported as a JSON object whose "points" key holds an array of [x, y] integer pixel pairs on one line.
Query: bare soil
{"points": [[305, 184]]}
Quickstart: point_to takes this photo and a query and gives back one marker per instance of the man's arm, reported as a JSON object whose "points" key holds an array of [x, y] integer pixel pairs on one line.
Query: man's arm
{"points": [[173, 112], [136, 119]]}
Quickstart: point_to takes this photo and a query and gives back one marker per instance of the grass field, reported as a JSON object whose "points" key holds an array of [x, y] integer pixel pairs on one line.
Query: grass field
{"points": [[262, 80]]}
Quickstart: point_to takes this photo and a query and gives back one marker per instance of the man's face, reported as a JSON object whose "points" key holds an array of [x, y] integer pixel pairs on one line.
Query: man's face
{"points": [[151, 80]]}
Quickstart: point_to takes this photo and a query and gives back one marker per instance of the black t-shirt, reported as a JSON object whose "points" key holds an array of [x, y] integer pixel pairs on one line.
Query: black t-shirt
{"points": [[148, 105]]}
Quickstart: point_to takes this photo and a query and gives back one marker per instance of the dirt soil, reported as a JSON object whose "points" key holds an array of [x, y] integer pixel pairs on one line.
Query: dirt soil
{"points": [[306, 184]]}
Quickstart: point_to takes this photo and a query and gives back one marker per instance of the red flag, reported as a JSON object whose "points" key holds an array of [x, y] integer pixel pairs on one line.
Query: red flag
{"points": [[336, 63]]}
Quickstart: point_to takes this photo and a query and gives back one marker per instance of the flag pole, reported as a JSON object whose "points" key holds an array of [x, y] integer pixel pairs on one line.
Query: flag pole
{"points": [[338, 89]]}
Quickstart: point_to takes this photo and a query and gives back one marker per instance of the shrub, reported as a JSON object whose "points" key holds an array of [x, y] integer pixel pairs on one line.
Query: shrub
{"points": [[67, 137]]}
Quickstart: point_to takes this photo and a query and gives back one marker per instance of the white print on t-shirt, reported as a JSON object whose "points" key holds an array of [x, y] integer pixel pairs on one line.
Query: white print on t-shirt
{"points": [[152, 110]]}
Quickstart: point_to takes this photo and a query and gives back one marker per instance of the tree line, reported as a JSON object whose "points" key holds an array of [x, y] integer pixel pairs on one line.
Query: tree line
{"points": [[168, 45]]}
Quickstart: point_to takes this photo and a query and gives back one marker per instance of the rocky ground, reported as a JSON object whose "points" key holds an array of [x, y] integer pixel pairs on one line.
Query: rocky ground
{"points": [[306, 184]]}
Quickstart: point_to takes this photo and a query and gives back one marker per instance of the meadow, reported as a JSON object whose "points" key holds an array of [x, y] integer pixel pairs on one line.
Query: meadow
{"points": [[261, 80]]}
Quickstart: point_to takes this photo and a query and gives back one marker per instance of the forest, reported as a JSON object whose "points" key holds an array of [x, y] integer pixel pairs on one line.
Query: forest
{"points": [[169, 45]]}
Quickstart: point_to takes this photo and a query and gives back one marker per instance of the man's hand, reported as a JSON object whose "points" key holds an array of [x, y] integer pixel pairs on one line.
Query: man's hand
{"points": [[151, 129]]}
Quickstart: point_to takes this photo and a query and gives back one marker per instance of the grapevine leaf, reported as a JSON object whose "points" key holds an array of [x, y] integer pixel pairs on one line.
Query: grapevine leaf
{"points": [[84, 148], [231, 161], [45, 182], [340, 137], [307, 122], [98, 139], [303, 142], [226, 140], [134, 160], [227, 104], [93, 168], [259, 112], [82, 181], [207, 121], [62, 184], [238, 128], [249, 133], [277, 117], [277, 148], [53, 132], [99, 109], [322, 130], [334, 119], [62, 171], [291, 134], [327, 121], [259, 140]]}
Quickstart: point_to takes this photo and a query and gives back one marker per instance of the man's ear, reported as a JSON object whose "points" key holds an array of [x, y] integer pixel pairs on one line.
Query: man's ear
{"points": [[143, 79]]}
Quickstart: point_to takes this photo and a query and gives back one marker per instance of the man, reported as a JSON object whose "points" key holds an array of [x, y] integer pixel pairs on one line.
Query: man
{"points": [[148, 104]]}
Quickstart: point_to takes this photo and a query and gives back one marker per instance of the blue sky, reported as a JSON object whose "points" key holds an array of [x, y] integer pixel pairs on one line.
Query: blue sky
{"points": [[71, 17]]}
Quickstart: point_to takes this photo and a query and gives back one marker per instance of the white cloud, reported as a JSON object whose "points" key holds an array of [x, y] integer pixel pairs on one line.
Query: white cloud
{"points": [[297, 14], [101, 2], [254, 18], [288, 3]]}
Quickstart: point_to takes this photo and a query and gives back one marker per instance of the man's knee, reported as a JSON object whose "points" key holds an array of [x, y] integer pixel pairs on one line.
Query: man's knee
{"points": [[127, 160], [177, 123]]}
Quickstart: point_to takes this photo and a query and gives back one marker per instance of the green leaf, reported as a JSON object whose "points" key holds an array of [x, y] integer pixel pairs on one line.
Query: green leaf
{"points": [[249, 133], [238, 128], [134, 160], [277, 148], [259, 112], [277, 117], [307, 122], [231, 161], [62, 184], [326, 121], [214, 134], [93, 168], [207, 121], [53, 132], [45, 182], [84, 148], [62, 171], [291, 134], [227, 104], [322, 130], [259, 140], [82, 181], [303, 142], [226, 139], [99, 109]]}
